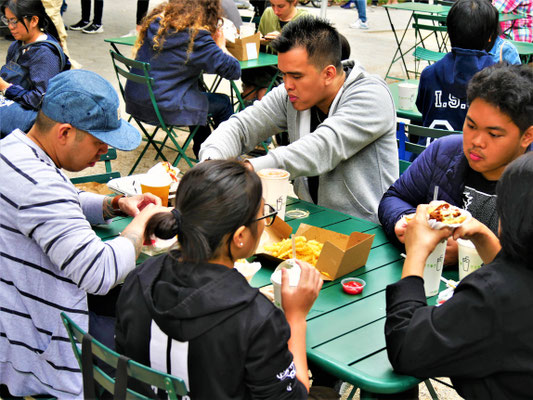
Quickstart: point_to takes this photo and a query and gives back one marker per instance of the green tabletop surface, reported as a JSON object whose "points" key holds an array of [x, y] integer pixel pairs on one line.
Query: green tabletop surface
{"points": [[419, 7], [125, 40], [345, 333], [413, 114]]}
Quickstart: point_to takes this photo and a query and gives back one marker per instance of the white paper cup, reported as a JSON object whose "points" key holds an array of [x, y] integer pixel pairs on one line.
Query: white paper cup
{"points": [[469, 259], [433, 269], [407, 95], [275, 278], [275, 188]]}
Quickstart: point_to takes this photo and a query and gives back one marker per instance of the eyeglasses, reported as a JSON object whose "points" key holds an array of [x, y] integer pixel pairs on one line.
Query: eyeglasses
{"points": [[269, 215], [7, 21]]}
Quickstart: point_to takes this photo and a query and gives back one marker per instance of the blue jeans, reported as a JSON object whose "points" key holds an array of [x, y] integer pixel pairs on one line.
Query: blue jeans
{"points": [[220, 109], [14, 116], [361, 9]]}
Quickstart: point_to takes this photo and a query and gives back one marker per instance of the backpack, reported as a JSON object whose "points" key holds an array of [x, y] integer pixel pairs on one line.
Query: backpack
{"points": [[19, 75]]}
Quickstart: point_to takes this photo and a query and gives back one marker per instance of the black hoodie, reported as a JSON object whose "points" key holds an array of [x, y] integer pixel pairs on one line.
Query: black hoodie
{"points": [[223, 337]]}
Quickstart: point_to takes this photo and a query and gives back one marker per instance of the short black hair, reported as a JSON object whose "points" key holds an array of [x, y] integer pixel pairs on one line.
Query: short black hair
{"points": [[513, 203], [317, 36], [473, 24], [508, 88]]}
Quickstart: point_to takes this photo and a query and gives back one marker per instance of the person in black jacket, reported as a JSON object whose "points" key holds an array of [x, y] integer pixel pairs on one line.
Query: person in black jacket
{"points": [[189, 313], [482, 338]]}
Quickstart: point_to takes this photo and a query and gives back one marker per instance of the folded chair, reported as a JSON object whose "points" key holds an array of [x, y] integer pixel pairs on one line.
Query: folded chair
{"points": [[405, 133], [123, 66], [86, 349]]}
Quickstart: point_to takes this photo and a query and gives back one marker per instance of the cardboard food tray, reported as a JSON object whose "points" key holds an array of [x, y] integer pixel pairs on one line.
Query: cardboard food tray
{"points": [[340, 255], [242, 49]]}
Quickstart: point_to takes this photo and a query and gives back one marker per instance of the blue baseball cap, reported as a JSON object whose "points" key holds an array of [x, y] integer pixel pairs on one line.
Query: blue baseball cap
{"points": [[88, 102]]}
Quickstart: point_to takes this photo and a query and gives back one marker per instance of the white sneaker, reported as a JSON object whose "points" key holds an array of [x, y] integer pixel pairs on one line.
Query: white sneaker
{"points": [[363, 25], [133, 32], [356, 24]]}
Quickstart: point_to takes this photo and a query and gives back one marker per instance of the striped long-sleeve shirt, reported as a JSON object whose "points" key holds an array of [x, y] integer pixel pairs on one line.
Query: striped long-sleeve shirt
{"points": [[49, 259]]}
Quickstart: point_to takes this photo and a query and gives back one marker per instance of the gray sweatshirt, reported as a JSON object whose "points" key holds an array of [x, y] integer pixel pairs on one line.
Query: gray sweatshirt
{"points": [[353, 150]]}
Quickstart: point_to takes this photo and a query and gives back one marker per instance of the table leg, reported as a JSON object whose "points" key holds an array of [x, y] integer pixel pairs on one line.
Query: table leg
{"points": [[399, 46]]}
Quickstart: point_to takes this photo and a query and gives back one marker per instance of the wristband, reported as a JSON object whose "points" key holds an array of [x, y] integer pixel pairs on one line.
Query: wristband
{"points": [[114, 203]]}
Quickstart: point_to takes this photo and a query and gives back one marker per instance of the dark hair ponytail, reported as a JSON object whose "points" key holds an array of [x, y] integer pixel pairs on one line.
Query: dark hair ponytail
{"points": [[513, 203], [29, 8], [213, 200]]}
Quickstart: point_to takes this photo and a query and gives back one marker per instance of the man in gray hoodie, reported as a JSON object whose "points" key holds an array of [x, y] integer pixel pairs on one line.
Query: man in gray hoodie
{"points": [[340, 119]]}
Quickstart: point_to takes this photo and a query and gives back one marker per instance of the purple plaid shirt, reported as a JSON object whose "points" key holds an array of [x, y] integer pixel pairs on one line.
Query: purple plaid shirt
{"points": [[520, 29]]}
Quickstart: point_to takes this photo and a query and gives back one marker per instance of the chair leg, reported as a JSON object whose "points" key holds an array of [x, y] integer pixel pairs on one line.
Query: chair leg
{"points": [[181, 150], [431, 390]]}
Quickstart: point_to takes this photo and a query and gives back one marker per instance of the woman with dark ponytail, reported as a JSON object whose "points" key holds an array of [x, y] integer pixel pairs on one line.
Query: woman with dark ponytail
{"points": [[32, 60], [189, 313]]}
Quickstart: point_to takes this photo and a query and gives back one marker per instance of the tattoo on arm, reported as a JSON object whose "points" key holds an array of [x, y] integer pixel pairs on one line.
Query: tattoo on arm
{"points": [[108, 208], [137, 241]]}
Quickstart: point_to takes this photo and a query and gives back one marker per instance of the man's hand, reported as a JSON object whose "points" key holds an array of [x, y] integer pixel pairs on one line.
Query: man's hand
{"points": [[271, 35], [135, 230], [297, 301], [400, 227], [452, 252], [3, 84], [135, 204], [486, 242], [420, 241]]}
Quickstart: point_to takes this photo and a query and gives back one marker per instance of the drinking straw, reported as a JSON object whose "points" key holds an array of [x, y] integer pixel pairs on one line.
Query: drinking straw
{"points": [[293, 246], [435, 193], [448, 282]]}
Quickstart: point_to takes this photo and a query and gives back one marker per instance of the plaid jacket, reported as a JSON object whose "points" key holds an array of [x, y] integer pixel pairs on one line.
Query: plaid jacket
{"points": [[520, 29]]}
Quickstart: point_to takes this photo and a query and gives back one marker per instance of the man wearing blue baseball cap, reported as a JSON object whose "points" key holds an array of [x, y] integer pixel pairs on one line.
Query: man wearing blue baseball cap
{"points": [[50, 258]]}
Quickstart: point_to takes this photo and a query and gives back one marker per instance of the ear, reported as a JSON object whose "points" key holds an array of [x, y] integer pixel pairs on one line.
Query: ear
{"points": [[239, 237], [64, 132], [34, 21], [527, 137], [329, 73]]}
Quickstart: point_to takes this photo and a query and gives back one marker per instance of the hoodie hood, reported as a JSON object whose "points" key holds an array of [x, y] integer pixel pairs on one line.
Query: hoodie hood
{"points": [[186, 300], [458, 67]]}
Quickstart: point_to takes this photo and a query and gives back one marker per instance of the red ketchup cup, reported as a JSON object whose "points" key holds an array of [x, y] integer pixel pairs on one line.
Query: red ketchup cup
{"points": [[353, 285]]}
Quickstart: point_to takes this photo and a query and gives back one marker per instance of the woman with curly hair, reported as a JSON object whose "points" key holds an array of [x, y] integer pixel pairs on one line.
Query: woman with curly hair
{"points": [[181, 40]]}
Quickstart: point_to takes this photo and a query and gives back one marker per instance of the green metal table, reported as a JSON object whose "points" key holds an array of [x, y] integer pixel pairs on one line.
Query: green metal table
{"points": [[345, 333], [399, 54], [440, 11], [413, 114]]}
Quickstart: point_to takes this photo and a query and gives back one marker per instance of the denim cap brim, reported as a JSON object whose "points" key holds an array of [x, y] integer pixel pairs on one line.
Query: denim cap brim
{"points": [[89, 103]]}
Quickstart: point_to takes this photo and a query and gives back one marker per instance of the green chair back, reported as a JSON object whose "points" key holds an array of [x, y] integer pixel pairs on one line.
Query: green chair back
{"points": [[92, 349], [105, 177], [406, 147], [423, 54], [126, 69], [525, 51]]}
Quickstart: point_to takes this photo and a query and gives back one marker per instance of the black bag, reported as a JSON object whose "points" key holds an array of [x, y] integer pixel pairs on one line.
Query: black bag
{"points": [[19, 75]]}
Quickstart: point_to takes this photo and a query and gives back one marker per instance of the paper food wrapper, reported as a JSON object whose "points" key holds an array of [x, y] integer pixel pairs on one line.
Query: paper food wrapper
{"points": [[164, 167], [247, 269], [437, 224]]}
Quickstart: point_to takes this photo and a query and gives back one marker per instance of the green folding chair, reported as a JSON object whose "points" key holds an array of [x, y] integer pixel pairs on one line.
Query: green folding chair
{"points": [[406, 132], [123, 66], [105, 177], [92, 349], [422, 54], [525, 51]]}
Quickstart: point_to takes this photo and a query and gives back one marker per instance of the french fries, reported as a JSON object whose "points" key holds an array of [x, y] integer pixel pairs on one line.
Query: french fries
{"points": [[306, 250]]}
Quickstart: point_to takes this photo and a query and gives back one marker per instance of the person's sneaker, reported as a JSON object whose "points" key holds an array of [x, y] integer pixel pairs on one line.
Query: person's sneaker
{"points": [[80, 25], [347, 5], [363, 25], [356, 24], [93, 28]]}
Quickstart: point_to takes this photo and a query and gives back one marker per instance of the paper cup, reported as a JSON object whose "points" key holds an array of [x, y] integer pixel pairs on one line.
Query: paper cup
{"points": [[158, 185], [407, 95], [275, 188], [294, 277], [469, 259], [433, 269]]}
